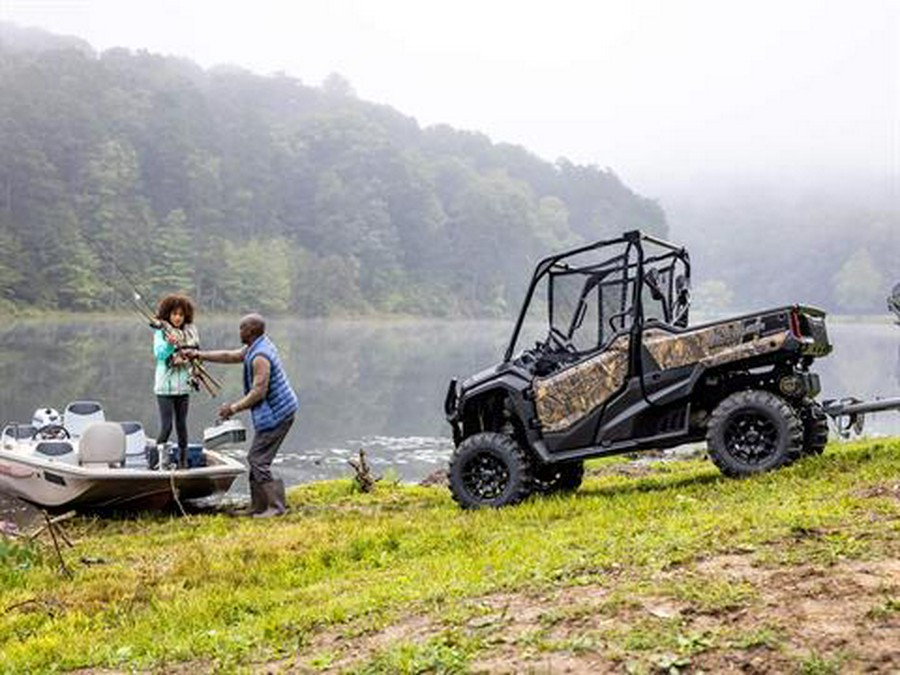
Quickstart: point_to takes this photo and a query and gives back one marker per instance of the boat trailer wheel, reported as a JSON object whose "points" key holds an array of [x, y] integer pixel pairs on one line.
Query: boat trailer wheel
{"points": [[51, 432]]}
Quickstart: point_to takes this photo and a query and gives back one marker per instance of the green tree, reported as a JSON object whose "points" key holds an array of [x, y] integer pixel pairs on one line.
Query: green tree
{"points": [[170, 267]]}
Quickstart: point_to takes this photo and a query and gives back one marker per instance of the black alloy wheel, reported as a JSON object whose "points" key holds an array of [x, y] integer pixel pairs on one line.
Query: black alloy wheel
{"points": [[489, 469], [753, 431]]}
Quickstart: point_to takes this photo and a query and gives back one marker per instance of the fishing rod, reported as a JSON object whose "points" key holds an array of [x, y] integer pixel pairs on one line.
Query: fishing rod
{"points": [[199, 372], [202, 375]]}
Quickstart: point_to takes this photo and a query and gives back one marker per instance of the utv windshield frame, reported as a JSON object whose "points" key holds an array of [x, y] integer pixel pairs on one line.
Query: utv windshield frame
{"points": [[634, 266]]}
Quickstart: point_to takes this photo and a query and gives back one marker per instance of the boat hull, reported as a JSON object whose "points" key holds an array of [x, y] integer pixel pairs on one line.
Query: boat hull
{"points": [[61, 486]]}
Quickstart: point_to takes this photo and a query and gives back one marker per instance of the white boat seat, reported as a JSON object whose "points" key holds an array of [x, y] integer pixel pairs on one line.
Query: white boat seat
{"points": [[18, 432], [79, 414], [54, 449], [135, 444], [102, 444]]}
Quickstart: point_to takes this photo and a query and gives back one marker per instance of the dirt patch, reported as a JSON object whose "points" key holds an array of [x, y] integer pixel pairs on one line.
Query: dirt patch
{"points": [[16, 515], [880, 490], [846, 615]]}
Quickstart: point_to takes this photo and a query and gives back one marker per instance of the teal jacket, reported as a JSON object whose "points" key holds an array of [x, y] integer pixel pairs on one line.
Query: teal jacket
{"points": [[172, 380]]}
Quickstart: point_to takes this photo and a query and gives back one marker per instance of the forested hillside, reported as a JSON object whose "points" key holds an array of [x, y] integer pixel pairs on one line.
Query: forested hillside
{"points": [[753, 246], [255, 192]]}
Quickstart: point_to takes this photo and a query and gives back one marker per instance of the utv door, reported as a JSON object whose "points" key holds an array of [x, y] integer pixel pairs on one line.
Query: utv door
{"points": [[604, 394]]}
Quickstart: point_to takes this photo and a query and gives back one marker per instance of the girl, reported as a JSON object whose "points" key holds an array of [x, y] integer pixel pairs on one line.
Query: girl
{"points": [[174, 382]]}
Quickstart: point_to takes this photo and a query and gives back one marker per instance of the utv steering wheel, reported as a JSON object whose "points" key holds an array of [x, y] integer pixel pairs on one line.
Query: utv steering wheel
{"points": [[51, 432]]}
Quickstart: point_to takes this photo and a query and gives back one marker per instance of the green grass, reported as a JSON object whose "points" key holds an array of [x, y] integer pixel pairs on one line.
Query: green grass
{"points": [[229, 592]]}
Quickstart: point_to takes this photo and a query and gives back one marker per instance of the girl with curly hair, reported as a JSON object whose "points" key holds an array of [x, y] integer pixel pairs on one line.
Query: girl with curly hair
{"points": [[173, 382]]}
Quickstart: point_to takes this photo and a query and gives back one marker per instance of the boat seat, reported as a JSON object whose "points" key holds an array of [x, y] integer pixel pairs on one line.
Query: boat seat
{"points": [[58, 450], [54, 448], [102, 444], [135, 444], [18, 432], [79, 414]]}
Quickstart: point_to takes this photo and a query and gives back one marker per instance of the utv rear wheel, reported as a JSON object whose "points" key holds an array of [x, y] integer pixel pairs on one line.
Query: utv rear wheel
{"points": [[489, 469], [552, 478], [815, 428], [753, 431]]}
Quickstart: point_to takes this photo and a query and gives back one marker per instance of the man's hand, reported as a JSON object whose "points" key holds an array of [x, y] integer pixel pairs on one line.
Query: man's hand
{"points": [[190, 353], [225, 411]]}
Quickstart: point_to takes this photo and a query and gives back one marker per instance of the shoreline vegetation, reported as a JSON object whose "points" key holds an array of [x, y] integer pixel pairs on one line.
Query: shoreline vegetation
{"points": [[32, 314], [649, 567]]}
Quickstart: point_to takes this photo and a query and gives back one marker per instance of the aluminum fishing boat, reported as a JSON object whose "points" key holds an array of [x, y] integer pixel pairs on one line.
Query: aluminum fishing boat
{"points": [[79, 460]]}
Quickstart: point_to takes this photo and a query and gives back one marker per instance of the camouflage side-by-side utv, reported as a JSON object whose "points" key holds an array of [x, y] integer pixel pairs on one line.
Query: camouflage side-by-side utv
{"points": [[617, 369]]}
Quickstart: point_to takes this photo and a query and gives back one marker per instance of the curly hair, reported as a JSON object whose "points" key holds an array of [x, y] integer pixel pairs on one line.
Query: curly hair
{"points": [[175, 301]]}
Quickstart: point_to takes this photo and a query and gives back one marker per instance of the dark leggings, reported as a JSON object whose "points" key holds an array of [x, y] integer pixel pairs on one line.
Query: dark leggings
{"points": [[176, 406]]}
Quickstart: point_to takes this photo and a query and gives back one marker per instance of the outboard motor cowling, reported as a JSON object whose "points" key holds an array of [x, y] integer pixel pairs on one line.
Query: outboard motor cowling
{"points": [[43, 417]]}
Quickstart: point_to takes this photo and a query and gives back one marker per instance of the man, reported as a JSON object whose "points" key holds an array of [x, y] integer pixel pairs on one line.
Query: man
{"points": [[272, 404]]}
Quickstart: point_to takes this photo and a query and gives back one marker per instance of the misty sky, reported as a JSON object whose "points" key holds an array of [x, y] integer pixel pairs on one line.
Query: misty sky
{"points": [[663, 92]]}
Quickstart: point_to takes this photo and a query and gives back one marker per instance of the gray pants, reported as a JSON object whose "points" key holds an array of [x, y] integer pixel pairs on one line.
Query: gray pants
{"points": [[262, 450]]}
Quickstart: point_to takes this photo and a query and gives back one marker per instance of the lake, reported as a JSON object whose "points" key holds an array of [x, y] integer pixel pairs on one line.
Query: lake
{"points": [[376, 385]]}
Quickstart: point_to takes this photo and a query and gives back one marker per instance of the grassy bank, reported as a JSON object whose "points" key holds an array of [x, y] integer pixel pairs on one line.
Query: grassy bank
{"points": [[647, 568]]}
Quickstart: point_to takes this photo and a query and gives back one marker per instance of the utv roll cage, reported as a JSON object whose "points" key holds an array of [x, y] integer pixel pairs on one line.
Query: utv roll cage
{"points": [[621, 280]]}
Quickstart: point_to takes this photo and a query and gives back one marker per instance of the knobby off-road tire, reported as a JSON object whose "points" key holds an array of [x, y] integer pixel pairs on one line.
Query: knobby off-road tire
{"points": [[552, 478], [489, 469], [815, 428], [753, 431]]}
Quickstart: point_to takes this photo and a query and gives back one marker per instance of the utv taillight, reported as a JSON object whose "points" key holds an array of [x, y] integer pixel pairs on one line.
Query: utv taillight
{"points": [[795, 323]]}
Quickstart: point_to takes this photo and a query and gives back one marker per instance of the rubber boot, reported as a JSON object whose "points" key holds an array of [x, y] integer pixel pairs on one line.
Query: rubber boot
{"points": [[274, 496], [257, 498], [257, 502]]}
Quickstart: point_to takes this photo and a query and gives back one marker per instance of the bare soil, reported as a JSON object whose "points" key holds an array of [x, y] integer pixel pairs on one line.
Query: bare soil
{"points": [[843, 617]]}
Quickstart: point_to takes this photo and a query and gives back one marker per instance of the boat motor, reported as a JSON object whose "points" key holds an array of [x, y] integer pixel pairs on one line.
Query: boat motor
{"points": [[44, 417], [229, 433]]}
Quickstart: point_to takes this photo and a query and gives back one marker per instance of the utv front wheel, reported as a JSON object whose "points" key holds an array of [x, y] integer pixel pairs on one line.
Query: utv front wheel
{"points": [[489, 469], [552, 478], [753, 431]]}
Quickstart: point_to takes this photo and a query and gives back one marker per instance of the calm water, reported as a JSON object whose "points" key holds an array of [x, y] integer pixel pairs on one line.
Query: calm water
{"points": [[362, 384]]}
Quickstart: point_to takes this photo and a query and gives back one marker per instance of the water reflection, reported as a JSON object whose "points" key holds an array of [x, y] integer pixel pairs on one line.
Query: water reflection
{"points": [[362, 384]]}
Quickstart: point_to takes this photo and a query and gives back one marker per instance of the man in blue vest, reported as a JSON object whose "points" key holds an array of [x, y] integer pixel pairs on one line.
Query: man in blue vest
{"points": [[272, 403]]}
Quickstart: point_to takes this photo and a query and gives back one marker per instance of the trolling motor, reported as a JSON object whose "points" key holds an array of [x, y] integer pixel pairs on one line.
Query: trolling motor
{"points": [[848, 414]]}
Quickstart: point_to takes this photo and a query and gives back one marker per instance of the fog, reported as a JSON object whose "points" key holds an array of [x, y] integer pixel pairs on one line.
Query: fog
{"points": [[769, 132], [669, 95]]}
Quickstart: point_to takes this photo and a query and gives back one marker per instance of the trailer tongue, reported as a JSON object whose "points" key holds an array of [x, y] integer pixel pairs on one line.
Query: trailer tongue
{"points": [[848, 414]]}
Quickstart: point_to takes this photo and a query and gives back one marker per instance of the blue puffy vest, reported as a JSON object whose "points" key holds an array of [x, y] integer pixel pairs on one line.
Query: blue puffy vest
{"points": [[280, 402]]}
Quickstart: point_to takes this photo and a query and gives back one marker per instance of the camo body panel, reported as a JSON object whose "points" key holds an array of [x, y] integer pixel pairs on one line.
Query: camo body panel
{"points": [[711, 346], [566, 397]]}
